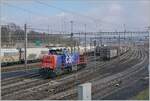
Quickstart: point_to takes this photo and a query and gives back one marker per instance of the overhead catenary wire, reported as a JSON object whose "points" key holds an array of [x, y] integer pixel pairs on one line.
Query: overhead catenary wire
{"points": [[33, 13], [61, 9], [49, 5], [64, 10], [96, 21], [74, 13], [24, 9]]}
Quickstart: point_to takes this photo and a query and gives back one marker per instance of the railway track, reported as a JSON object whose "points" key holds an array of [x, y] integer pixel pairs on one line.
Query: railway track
{"points": [[90, 59], [71, 92], [14, 82], [126, 81], [104, 86], [106, 83], [23, 78], [26, 71], [24, 81], [20, 67], [35, 87], [9, 81]]}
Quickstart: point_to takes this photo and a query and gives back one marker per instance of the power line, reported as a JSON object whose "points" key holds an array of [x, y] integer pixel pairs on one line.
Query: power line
{"points": [[64, 10], [52, 6], [72, 12], [26, 10], [32, 12], [29, 11]]}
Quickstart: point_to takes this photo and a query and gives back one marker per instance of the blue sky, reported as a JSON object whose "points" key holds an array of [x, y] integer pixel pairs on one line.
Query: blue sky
{"points": [[109, 14]]}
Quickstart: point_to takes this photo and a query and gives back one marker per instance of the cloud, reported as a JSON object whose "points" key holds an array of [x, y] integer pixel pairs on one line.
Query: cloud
{"points": [[18, 1], [109, 15], [113, 15], [115, 7], [62, 14]]}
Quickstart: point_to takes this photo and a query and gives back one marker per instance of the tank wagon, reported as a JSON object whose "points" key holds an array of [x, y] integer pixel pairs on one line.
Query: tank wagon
{"points": [[33, 54], [60, 61], [16, 56], [9, 56]]}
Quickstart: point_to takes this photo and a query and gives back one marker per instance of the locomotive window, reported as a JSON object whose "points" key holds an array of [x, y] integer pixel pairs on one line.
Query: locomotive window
{"points": [[59, 52], [56, 52], [52, 51]]}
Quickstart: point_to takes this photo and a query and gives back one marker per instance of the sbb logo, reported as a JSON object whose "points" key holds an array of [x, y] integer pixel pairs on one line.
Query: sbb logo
{"points": [[68, 59]]}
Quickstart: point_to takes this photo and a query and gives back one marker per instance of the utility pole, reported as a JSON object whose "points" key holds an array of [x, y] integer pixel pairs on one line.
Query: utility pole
{"points": [[148, 29], [85, 38], [79, 43], [25, 51], [118, 48], [51, 29], [0, 41], [148, 32], [95, 46], [71, 35], [48, 30], [47, 36], [119, 45], [90, 45], [100, 38], [131, 39], [9, 37], [124, 31], [95, 42]]}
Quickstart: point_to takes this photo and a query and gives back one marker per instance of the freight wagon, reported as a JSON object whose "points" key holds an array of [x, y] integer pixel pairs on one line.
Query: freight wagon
{"points": [[34, 54], [16, 56], [123, 49], [9, 56], [106, 52]]}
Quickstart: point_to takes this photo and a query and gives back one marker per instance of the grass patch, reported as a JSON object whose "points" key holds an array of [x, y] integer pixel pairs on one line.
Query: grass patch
{"points": [[143, 95]]}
